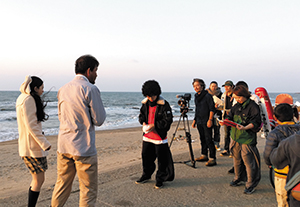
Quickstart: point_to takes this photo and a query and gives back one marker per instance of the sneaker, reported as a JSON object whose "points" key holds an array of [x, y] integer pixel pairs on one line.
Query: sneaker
{"points": [[203, 158], [211, 163], [231, 171], [225, 153], [142, 180], [231, 156], [158, 185], [249, 190], [219, 149], [235, 183]]}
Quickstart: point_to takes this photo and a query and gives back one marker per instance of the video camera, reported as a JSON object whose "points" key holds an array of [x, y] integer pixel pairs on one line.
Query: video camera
{"points": [[183, 102]]}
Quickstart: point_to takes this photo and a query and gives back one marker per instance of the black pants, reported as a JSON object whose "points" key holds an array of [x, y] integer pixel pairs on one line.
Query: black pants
{"points": [[206, 140], [162, 152], [216, 129], [227, 137]]}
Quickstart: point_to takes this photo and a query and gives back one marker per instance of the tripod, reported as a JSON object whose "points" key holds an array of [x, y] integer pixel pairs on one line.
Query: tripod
{"points": [[187, 135]]}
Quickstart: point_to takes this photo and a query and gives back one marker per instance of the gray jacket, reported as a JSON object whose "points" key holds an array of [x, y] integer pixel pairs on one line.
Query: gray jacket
{"points": [[80, 109], [277, 135]]}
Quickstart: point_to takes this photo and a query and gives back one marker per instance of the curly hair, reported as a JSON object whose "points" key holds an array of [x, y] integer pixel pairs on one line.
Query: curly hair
{"points": [[151, 88]]}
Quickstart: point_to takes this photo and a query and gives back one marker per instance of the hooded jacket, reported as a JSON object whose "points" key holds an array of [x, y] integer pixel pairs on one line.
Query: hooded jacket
{"points": [[32, 142], [278, 134], [288, 153], [163, 116]]}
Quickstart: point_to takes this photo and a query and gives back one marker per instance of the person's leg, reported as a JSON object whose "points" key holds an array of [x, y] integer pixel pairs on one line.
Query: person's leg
{"points": [[37, 181], [237, 160], [209, 142], [251, 158], [227, 137], [165, 163], [35, 187], [87, 172], [203, 143], [281, 194], [65, 175], [216, 129], [148, 159]]}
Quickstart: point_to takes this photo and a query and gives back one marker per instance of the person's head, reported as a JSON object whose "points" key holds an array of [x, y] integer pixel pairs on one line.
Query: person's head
{"points": [[228, 85], [213, 86], [36, 90], [151, 90], [241, 94], [87, 65], [284, 112], [198, 85], [36, 86], [242, 83]]}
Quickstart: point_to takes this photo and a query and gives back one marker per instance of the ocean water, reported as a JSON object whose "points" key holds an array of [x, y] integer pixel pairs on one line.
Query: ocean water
{"points": [[122, 110]]}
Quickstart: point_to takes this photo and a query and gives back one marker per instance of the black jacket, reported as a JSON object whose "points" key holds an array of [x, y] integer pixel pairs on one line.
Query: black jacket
{"points": [[163, 116], [204, 104]]}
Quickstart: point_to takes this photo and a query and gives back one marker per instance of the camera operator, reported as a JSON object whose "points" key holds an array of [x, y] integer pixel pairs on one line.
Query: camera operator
{"points": [[204, 113]]}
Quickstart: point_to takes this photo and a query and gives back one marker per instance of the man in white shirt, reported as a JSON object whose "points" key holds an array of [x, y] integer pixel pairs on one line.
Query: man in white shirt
{"points": [[80, 109]]}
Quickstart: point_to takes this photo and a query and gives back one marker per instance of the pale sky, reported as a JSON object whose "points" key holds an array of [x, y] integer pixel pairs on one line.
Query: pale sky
{"points": [[136, 40]]}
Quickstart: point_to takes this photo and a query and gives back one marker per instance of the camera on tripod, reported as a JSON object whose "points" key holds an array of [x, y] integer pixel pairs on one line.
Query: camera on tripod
{"points": [[183, 102]]}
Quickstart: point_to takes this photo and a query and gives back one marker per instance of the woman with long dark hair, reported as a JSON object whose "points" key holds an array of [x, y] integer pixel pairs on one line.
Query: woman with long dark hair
{"points": [[33, 145]]}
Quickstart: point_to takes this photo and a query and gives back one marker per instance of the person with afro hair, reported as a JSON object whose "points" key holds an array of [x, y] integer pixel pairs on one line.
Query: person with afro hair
{"points": [[156, 118]]}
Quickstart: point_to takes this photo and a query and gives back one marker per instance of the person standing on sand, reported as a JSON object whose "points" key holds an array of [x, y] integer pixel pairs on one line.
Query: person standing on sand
{"points": [[214, 90], [228, 102], [246, 114], [204, 113], [283, 114], [156, 118], [80, 109], [33, 145]]}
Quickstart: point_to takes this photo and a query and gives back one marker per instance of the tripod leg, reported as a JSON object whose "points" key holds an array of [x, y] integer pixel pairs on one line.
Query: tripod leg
{"points": [[189, 141], [175, 131]]}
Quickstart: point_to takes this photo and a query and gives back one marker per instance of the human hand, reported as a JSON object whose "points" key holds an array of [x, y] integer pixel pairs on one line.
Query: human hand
{"points": [[209, 123]]}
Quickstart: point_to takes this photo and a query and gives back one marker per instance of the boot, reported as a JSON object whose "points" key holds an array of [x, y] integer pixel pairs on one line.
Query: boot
{"points": [[32, 197]]}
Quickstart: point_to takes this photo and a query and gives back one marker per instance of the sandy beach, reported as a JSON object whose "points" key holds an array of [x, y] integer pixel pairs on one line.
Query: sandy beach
{"points": [[119, 160]]}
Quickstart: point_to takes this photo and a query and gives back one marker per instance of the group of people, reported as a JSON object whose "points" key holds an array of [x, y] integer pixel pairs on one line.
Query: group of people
{"points": [[80, 109], [240, 106], [240, 142]]}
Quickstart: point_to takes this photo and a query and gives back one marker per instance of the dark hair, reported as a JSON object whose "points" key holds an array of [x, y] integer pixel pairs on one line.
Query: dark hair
{"points": [[85, 62], [40, 106], [200, 81], [284, 112], [215, 82], [241, 91], [242, 83], [151, 88]]}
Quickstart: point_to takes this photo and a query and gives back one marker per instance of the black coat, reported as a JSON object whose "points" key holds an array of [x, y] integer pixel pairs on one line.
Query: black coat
{"points": [[163, 116], [204, 104]]}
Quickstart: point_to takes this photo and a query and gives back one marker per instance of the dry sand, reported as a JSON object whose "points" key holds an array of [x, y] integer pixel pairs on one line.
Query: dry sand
{"points": [[119, 159]]}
